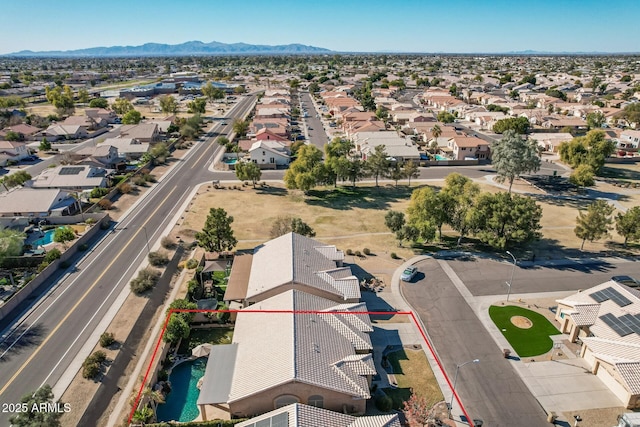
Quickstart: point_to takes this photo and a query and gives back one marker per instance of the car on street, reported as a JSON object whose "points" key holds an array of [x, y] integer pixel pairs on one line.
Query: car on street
{"points": [[627, 280], [224, 123], [409, 273]]}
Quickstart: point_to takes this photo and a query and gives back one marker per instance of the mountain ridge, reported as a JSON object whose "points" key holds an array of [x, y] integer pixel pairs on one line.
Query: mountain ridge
{"points": [[193, 47]]}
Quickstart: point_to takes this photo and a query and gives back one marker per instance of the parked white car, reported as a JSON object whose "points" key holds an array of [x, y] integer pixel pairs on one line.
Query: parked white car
{"points": [[409, 273]]}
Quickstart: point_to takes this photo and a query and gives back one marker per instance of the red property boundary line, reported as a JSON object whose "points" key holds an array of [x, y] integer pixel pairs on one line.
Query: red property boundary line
{"points": [[411, 315]]}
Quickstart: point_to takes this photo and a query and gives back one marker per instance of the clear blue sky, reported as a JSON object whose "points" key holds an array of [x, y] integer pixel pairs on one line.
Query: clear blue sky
{"points": [[456, 26]]}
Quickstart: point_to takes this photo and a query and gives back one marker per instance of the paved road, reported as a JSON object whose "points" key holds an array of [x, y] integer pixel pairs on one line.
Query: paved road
{"points": [[317, 134], [488, 277], [491, 390], [60, 325]]}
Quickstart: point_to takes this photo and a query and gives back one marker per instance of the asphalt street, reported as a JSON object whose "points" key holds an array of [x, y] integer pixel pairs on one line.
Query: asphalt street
{"points": [[44, 343], [491, 390]]}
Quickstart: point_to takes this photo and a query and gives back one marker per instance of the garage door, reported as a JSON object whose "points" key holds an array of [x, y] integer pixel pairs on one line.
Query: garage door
{"points": [[613, 385]]}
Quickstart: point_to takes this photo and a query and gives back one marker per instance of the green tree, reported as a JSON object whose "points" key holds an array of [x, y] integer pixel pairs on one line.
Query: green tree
{"points": [[446, 117], [83, 96], [183, 304], [240, 127], [459, 197], [44, 145], [426, 212], [377, 163], [212, 93], [63, 235], [11, 243], [518, 124], [197, 106], [595, 223], [513, 155], [336, 161], [287, 224], [121, 106], [98, 103], [306, 171], [396, 173], [595, 120], [217, 234], [628, 225], [382, 114], [42, 396], [502, 220], [436, 131], [395, 221], [159, 153], [555, 93], [591, 149], [631, 113], [353, 171], [61, 98], [15, 179], [168, 104], [582, 176], [248, 171], [177, 329], [132, 117], [411, 170], [142, 415]]}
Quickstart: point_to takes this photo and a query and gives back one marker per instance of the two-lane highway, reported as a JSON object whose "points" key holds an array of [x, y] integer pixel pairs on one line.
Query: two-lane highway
{"points": [[51, 335]]}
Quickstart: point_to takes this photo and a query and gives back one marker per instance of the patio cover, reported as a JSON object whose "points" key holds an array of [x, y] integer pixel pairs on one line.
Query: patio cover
{"points": [[217, 378]]}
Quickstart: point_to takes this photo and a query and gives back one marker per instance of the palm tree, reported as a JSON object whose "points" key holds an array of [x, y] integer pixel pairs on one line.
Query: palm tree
{"points": [[153, 396], [436, 131], [142, 415]]}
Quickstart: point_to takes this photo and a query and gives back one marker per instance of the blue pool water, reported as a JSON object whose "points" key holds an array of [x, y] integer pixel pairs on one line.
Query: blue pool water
{"points": [[231, 161], [181, 401], [44, 240], [439, 157]]}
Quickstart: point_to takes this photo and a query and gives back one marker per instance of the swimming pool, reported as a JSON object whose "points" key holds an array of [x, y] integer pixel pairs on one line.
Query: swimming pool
{"points": [[180, 403], [439, 157], [230, 161], [44, 240]]}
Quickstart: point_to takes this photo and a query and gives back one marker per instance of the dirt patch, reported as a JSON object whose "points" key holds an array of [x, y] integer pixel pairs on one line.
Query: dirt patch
{"points": [[521, 322]]}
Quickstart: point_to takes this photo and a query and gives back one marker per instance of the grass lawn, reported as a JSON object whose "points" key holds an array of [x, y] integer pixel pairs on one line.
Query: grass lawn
{"points": [[412, 370], [526, 342], [205, 335]]}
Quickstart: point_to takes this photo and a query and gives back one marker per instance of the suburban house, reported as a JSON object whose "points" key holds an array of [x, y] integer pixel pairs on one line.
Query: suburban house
{"points": [[36, 203], [629, 140], [14, 150], [288, 262], [550, 141], [73, 177], [300, 415], [26, 132], [143, 132], [104, 154], [269, 153], [322, 358], [265, 134], [57, 132], [90, 123], [396, 147], [272, 113], [469, 147], [101, 113], [128, 148], [606, 318]]}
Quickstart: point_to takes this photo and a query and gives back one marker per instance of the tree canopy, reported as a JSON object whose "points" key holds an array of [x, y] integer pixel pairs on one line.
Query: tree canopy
{"points": [[287, 224], [595, 223], [306, 171], [168, 104], [15, 179], [217, 234], [11, 243], [121, 106], [513, 156], [591, 149], [98, 103], [36, 418], [131, 117], [628, 225], [377, 163], [518, 124], [248, 171]]}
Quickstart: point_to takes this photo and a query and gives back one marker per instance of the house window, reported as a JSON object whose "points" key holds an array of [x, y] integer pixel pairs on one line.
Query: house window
{"points": [[263, 153], [316, 400], [272, 160], [284, 400]]}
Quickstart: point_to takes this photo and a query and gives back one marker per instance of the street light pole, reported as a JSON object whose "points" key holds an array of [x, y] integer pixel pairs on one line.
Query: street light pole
{"points": [[455, 380], [512, 271]]}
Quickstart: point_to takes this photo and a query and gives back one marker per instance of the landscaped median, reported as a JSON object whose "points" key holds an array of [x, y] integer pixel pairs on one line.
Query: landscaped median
{"points": [[529, 333]]}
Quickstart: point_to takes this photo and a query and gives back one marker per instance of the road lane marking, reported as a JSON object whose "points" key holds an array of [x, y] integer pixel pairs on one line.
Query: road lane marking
{"points": [[77, 304]]}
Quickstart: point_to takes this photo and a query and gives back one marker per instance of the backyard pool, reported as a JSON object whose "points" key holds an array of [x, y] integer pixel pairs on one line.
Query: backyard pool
{"points": [[230, 161], [439, 157], [44, 240], [181, 401]]}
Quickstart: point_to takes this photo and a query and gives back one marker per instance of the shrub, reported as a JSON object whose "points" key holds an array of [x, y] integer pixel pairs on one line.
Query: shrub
{"points": [[349, 252], [98, 192], [42, 266], [105, 204], [394, 255], [146, 280], [92, 365], [106, 339], [163, 375], [149, 178], [192, 263], [158, 259], [90, 221], [366, 251], [124, 188], [384, 403], [358, 254], [139, 180], [167, 242], [52, 255]]}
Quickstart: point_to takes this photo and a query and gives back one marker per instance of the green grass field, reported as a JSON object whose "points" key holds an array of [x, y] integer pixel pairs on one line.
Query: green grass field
{"points": [[526, 342]]}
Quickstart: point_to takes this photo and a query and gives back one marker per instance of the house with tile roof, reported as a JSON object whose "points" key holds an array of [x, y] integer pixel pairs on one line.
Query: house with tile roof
{"points": [[300, 415], [290, 262], [72, 177], [269, 154], [322, 358], [36, 203], [606, 318]]}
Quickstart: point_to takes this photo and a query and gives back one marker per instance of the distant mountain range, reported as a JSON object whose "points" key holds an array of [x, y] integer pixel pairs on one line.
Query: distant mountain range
{"points": [[183, 49]]}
